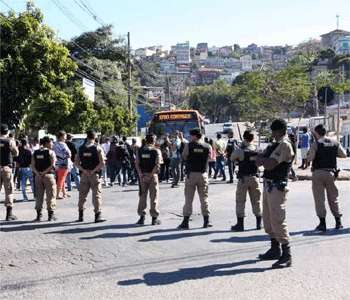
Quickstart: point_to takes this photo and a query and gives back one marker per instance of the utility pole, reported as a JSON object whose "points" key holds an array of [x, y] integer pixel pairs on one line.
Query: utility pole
{"points": [[337, 16], [129, 76], [338, 112], [325, 107]]}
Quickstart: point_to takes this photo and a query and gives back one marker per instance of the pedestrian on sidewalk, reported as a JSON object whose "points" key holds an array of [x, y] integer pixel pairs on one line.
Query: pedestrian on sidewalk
{"points": [[220, 148], [73, 170], [24, 162], [305, 139]]}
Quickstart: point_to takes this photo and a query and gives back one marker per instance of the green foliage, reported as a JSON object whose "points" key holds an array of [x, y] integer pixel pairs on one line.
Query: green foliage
{"points": [[33, 65]]}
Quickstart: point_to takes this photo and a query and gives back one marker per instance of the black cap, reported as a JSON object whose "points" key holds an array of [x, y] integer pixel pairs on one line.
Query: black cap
{"points": [[4, 129], [196, 132], [279, 124]]}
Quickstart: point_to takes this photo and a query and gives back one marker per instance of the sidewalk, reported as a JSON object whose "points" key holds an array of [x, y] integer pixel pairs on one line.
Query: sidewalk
{"points": [[344, 174]]}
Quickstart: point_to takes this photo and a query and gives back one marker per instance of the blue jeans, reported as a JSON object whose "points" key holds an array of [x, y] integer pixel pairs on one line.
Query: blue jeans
{"points": [[220, 166], [26, 173], [75, 173]]}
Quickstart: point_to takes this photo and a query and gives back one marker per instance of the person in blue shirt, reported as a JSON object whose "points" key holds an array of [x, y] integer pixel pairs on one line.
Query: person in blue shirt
{"points": [[304, 147]]}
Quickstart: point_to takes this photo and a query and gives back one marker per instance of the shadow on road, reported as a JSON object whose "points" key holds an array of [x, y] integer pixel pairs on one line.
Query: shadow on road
{"points": [[180, 235], [31, 225], [329, 232], [91, 229], [157, 278], [243, 239]]}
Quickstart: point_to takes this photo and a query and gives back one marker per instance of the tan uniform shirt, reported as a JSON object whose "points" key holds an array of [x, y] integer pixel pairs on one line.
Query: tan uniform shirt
{"points": [[284, 151], [185, 151], [159, 158], [238, 154], [313, 149], [53, 158], [101, 155]]}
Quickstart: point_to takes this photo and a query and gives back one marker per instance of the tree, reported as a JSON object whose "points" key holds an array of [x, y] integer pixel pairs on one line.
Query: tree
{"points": [[33, 65]]}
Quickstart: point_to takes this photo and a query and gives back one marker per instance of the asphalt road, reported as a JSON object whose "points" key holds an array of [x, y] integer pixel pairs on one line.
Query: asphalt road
{"points": [[118, 260]]}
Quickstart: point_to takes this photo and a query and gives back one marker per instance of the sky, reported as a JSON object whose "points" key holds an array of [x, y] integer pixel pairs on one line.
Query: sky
{"points": [[218, 22]]}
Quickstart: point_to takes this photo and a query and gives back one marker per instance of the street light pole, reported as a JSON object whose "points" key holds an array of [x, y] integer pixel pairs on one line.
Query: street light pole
{"points": [[129, 76]]}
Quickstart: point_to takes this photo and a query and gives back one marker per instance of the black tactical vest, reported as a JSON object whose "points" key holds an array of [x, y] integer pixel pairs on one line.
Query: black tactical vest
{"points": [[89, 158], [326, 155], [198, 155], [281, 171], [247, 167], [42, 160], [6, 158], [148, 159], [231, 143]]}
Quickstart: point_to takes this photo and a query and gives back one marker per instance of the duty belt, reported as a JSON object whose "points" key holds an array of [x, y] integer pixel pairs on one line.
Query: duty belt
{"points": [[280, 185]]}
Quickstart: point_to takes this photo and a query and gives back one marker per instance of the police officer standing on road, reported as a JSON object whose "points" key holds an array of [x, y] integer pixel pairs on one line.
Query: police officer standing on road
{"points": [[196, 154], [248, 181], [148, 161], [8, 150], [323, 155], [90, 160], [276, 159], [43, 166], [231, 146]]}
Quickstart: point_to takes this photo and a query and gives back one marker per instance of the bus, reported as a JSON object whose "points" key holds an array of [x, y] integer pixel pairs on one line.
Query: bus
{"points": [[168, 122]]}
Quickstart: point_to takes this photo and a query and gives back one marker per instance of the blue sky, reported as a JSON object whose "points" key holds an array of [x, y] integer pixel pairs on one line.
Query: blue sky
{"points": [[218, 22]]}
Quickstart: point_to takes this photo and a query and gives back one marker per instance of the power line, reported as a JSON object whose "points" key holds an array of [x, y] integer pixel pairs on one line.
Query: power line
{"points": [[69, 15], [8, 6], [86, 8]]}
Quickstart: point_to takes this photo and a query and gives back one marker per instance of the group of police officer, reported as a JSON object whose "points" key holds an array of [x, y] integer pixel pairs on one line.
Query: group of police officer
{"points": [[276, 160]]}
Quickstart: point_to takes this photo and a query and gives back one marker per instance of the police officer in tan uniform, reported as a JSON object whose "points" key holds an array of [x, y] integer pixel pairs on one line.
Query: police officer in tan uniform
{"points": [[148, 161], [277, 160], [43, 165], [196, 154], [248, 181], [323, 155], [90, 160], [8, 150]]}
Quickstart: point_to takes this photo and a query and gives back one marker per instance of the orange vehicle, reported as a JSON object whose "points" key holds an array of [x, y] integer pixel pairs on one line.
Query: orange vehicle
{"points": [[168, 122]]}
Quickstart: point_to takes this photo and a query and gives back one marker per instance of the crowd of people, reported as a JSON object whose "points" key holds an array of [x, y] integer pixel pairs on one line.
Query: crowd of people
{"points": [[50, 167]]}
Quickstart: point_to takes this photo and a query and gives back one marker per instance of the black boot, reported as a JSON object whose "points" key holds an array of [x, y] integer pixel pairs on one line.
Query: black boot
{"points": [[322, 226], [98, 218], [273, 253], [9, 215], [141, 221], [155, 221], [39, 215], [285, 260], [239, 226], [338, 224], [258, 222], [81, 216], [206, 222], [51, 216], [185, 223]]}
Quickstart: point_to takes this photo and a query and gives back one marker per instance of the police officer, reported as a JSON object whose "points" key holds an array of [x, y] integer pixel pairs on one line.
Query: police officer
{"points": [[148, 161], [196, 154], [276, 159], [247, 181], [8, 150], [323, 155], [231, 145], [90, 161], [43, 166]]}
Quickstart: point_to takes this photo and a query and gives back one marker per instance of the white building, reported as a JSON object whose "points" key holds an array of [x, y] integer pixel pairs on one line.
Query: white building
{"points": [[145, 52], [182, 52], [246, 63], [343, 46]]}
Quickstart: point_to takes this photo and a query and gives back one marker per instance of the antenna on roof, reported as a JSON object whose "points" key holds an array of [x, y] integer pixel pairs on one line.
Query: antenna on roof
{"points": [[337, 16]]}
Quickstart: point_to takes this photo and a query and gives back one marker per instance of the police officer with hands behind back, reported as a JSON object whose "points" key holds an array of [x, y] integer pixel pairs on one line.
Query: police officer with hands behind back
{"points": [[90, 161], [196, 154], [43, 165], [148, 161], [248, 181], [323, 155], [8, 150], [276, 160]]}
